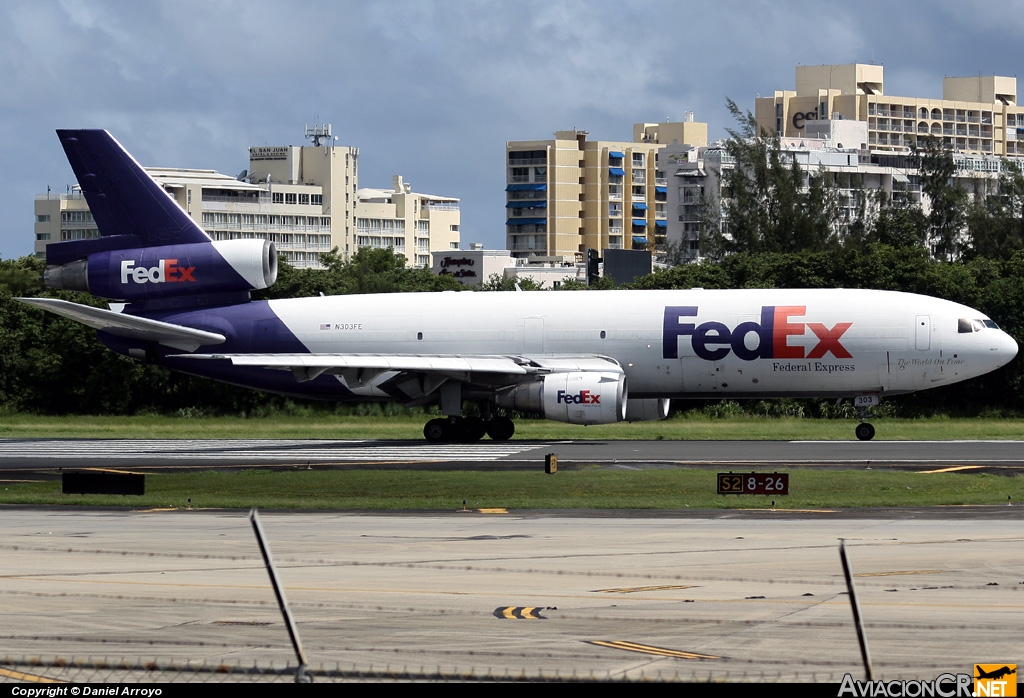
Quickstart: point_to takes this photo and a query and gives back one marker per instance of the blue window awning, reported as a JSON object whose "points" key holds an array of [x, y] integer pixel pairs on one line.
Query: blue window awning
{"points": [[661, 224], [639, 240], [617, 171], [661, 190], [527, 187], [526, 221], [640, 222], [529, 203], [639, 207], [616, 154]]}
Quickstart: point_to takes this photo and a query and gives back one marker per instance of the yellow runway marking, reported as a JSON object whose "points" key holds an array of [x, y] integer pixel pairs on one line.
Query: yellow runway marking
{"points": [[953, 469], [647, 649], [112, 470], [780, 510], [495, 510], [897, 573], [19, 676], [631, 590]]}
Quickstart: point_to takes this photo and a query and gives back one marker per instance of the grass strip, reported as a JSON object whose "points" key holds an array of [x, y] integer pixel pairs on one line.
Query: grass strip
{"points": [[678, 428], [584, 488]]}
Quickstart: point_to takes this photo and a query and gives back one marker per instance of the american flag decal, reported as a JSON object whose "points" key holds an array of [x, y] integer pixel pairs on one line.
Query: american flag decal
{"points": [[325, 326]]}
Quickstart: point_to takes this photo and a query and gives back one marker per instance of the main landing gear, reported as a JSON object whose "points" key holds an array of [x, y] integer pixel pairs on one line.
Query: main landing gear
{"points": [[468, 429]]}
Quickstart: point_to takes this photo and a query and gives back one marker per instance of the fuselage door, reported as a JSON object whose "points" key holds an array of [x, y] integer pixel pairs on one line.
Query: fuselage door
{"points": [[923, 332], [533, 335]]}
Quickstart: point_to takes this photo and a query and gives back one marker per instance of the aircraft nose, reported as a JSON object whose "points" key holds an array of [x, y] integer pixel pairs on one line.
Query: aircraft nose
{"points": [[1005, 349]]}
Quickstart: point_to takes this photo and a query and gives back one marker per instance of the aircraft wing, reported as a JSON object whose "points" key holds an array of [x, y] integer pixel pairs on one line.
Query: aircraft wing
{"points": [[122, 325], [413, 377]]}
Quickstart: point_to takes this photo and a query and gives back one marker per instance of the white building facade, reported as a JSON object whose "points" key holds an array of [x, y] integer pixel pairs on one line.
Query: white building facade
{"points": [[302, 198]]}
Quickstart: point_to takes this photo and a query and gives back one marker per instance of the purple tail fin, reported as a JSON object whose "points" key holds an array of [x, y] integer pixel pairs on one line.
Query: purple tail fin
{"points": [[130, 208]]}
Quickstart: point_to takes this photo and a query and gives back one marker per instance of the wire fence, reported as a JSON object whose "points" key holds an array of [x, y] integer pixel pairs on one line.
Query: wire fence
{"points": [[94, 671]]}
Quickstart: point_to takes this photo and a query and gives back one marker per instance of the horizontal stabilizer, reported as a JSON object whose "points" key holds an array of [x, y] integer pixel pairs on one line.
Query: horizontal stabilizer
{"points": [[121, 325]]}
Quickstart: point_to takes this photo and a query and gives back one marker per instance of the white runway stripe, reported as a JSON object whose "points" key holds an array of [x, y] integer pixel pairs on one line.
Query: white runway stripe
{"points": [[255, 450]]}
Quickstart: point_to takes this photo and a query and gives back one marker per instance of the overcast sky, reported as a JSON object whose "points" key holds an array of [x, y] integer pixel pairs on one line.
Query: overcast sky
{"points": [[432, 89]]}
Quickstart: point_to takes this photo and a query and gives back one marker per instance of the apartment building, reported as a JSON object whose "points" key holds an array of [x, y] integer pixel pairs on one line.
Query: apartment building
{"points": [[413, 224], [569, 193]]}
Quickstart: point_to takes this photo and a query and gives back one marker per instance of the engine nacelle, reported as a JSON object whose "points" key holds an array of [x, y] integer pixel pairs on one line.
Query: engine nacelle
{"points": [[144, 273], [646, 409], [579, 397]]}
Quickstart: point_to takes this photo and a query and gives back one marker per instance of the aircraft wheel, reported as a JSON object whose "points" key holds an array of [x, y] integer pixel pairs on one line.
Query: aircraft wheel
{"points": [[436, 431], [865, 432], [501, 429], [471, 429]]}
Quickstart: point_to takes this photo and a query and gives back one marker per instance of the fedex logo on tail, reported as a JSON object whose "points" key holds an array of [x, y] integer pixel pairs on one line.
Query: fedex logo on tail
{"points": [[166, 271], [713, 341], [583, 397]]}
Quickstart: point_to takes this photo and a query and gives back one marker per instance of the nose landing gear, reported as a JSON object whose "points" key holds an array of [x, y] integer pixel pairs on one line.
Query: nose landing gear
{"points": [[865, 431]]}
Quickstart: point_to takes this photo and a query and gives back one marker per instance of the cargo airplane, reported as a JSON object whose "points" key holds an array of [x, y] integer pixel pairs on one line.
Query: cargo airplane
{"points": [[183, 301]]}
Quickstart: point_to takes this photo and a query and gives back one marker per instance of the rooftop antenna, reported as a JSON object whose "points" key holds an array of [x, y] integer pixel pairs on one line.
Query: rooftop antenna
{"points": [[318, 133]]}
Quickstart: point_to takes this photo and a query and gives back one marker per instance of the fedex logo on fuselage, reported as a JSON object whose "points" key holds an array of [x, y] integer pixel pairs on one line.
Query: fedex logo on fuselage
{"points": [[166, 271], [583, 397], [713, 341]]}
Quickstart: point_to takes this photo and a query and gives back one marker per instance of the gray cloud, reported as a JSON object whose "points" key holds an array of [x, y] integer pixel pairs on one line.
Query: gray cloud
{"points": [[431, 90]]}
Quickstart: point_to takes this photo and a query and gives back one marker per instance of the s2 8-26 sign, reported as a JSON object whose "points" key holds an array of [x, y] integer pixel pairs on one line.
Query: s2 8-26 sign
{"points": [[753, 483]]}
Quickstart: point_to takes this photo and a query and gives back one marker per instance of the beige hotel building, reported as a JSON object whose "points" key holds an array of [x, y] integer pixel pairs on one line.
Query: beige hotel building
{"points": [[976, 115], [568, 194], [305, 199]]}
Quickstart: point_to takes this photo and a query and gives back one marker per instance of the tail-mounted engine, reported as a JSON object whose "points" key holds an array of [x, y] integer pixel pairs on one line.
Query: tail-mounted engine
{"points": [[581, 397], [147, 273], [646, 409]]}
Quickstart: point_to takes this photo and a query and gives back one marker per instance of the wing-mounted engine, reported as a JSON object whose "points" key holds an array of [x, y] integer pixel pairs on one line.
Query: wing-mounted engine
{"points": [[147, 273], [577, 397]]}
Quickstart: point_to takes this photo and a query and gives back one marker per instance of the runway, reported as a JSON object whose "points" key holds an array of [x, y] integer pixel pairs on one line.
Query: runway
{"points": [[726, 596], [44, 454], [721, 596]]}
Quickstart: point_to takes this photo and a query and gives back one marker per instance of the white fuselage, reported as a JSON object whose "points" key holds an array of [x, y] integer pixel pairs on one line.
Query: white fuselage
{"points": [[679, 343]]}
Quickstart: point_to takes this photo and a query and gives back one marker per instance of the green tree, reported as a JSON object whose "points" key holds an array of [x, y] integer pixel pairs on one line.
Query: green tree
{"points": [[370, 270], [995, 224], [900, 227], [947, 200], [773, 204], [498, 282]]}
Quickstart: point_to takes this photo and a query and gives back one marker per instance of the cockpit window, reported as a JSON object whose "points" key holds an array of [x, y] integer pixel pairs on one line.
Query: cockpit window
{"points": [[966, 325]]}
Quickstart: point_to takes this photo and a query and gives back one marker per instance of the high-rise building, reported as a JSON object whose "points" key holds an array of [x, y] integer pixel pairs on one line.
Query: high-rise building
{"points": [[569, 193]]}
